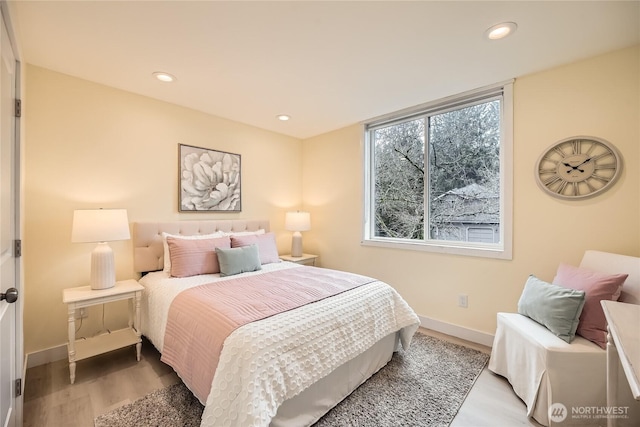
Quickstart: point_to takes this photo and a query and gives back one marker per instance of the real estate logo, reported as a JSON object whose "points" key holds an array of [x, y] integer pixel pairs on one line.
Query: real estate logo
{"points": [[557, 412]]}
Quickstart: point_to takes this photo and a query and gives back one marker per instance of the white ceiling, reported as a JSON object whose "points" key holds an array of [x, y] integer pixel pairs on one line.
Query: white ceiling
{"points": [[327, 64]]}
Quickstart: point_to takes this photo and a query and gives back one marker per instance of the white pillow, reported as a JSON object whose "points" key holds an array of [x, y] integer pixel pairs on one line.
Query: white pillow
{"points": [[243, 233], [167, 258]]}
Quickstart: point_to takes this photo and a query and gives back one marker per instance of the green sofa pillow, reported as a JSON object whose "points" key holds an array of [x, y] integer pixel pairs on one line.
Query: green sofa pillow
{"points": [[553, 306]]}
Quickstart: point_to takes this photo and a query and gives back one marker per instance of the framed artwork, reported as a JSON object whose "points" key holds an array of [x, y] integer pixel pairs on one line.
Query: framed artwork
{"points": [[209, 180]]}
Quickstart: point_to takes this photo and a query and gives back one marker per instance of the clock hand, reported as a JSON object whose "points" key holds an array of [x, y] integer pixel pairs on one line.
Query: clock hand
{"points": [[572, 167], [588, 160], [576, 167]]}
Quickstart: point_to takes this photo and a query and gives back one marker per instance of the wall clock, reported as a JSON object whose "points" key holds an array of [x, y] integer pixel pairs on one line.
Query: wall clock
{"points": [[578, 167]]}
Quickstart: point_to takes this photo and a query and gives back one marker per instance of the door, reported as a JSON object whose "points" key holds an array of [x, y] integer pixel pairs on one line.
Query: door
{"points": [[10, 337]]}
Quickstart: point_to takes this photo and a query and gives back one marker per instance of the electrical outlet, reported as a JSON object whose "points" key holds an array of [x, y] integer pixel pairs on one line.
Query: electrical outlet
{"points": [[463, 301], [82, 314]]}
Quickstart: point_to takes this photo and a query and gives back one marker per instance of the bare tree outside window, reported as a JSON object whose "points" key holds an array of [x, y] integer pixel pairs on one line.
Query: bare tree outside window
{"points": [[464, 171], [439, 174], [399, 180]]}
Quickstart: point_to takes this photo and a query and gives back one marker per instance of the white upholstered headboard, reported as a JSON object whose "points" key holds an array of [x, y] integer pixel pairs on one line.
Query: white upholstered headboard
{"points": [[147, 237]]}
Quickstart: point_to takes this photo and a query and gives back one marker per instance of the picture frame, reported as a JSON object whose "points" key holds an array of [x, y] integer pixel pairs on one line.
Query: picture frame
{"points": [[209, 180]]}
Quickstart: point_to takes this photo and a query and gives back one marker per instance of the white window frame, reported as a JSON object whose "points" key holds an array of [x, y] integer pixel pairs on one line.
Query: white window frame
{"points": [[501, 250]]}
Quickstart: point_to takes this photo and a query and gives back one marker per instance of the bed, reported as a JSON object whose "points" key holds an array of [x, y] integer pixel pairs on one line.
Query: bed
{"points": [[284, 369]]}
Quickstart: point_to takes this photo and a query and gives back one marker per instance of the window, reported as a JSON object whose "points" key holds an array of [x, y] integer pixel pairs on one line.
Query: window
{"points": [[438, 177]]}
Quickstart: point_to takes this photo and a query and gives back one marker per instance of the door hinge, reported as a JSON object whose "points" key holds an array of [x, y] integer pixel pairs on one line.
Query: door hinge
{"points": [[18, 108], [17, 248], [19, 387]]}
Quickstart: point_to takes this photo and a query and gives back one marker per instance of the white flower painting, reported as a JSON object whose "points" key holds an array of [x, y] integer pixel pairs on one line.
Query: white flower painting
{"points": [[209, 180]]}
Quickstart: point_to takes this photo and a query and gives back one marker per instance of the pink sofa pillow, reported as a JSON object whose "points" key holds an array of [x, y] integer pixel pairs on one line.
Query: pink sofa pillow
{"points": [[266, 246], [597, 286], [193, 257]]}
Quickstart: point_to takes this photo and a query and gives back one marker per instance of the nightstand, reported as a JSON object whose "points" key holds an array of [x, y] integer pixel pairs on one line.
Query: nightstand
{"points": [[305, 259], [77, 298]]}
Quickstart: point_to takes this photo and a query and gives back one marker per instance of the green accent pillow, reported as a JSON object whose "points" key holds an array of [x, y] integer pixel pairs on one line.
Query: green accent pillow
{"points": [[553, 306], [238, 260]]}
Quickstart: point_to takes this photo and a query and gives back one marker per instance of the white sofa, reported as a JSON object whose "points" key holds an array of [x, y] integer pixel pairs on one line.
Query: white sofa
{"points": [[543, 369]]}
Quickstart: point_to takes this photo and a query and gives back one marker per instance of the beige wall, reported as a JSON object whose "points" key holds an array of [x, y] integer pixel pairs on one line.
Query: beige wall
{"points": [[90, 146], [598, 97]]}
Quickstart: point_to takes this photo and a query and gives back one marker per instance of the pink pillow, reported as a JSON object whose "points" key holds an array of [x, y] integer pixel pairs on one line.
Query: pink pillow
{"points": [[266, 246], [193, 257], [597, 286]]}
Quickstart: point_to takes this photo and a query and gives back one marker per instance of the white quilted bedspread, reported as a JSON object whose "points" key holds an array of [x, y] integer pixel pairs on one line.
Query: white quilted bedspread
{"points": [[267, 362]]}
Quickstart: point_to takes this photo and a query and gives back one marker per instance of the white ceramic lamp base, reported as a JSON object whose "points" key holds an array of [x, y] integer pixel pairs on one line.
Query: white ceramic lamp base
{"points": [[296, 244], [103, 272]]}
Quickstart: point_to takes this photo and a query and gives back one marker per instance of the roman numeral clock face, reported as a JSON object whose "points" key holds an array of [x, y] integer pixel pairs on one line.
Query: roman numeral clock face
{"points": [[578, 167]]}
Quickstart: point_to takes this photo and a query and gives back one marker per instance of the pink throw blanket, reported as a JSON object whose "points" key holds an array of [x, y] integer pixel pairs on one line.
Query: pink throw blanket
{"points": [[201, 318]]}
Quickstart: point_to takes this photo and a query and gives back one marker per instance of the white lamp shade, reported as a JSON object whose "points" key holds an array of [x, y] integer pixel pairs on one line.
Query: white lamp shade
{"points": [[100, 225], [297, 221]]}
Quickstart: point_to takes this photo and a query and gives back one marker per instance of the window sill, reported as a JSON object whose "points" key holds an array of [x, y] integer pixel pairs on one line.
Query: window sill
{"points": [[487, 251]]}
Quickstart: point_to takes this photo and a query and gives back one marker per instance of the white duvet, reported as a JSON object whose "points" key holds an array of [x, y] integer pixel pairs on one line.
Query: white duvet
{"points": [[267, 362]]}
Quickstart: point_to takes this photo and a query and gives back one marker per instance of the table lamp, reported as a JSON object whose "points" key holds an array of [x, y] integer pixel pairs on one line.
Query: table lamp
{"points": [[101, 226], [297, 222]]}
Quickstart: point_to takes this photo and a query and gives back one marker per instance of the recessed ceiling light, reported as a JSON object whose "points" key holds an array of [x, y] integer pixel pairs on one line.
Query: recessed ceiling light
{"points": [[283, 117], [500, 31], [164, 77]]}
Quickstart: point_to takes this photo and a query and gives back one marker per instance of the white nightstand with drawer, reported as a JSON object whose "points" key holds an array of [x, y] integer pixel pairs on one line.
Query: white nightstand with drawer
{"points": [[84, 296]]}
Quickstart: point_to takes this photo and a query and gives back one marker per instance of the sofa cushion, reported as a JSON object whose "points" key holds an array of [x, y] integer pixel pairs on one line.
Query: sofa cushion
{"points": [[597, 287], [611, 263], [553, 306]]}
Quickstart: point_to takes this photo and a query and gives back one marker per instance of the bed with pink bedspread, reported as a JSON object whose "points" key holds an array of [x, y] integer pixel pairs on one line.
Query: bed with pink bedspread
{"points": [[277, 346]]}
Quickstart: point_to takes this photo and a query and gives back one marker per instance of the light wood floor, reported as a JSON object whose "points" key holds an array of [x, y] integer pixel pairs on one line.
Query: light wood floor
{"points": [[114, 379], [491, 402]]}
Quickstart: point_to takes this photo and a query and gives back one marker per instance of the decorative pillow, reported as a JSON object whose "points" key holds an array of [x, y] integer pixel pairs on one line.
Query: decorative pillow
{"points": [[597, 286], [553, 306], [166, 255], [190, 257], [238, 260], [266, 246]]}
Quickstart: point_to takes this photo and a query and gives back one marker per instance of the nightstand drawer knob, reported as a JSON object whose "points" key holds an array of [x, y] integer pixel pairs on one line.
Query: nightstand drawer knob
{"points": [[11, 296]]}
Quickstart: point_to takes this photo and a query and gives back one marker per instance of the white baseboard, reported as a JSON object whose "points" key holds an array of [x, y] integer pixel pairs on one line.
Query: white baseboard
{"points": [[54, 354], [457, 331], [47, 355]]}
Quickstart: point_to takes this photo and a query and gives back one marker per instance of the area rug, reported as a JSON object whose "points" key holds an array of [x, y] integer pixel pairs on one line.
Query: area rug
{"points": [[424, 386]]}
